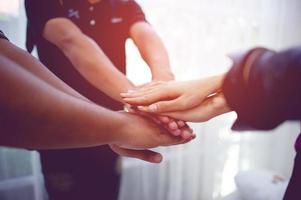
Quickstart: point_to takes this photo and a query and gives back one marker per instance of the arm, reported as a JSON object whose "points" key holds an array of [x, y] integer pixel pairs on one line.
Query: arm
{"points": [[152, 50], [28, 62], [86, 57], [263, 87], [36, 115]]}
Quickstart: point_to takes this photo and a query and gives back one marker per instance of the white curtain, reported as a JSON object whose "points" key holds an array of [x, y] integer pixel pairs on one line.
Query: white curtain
{"points": [[198, 35]]}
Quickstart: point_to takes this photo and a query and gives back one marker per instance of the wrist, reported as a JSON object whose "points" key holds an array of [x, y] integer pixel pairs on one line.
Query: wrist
{"points": [[123, 123], [162, 75], [216, 83]]}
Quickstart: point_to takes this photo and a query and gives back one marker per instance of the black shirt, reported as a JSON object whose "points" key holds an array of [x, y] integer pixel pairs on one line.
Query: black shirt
{"points": [[107, 22]]}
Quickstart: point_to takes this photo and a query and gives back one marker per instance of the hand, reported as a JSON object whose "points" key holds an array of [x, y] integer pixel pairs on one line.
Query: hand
{"points": [[174, 126], [146, 155], [211, 107], [139, 133], [163, 97]]}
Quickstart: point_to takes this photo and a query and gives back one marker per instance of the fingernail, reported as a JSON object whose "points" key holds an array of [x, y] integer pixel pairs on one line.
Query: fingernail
{"points": [[181, 123], [157, 158], [142, 108], [176, 132], [153, 107], [186, 134], [173, 125]]}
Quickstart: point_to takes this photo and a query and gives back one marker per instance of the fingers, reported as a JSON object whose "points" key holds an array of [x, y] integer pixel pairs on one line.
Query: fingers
{"points": [[211, 107], [176, 140], [149, 94], [169, 124], [181, 123], [175, 127], [168, 140], [165, 106], [163, 119], [146, 155], [147, 97]]}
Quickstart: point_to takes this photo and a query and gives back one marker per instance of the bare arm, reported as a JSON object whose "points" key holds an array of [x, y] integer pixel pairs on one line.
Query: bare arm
{"points": [[152, 50], [36, 115], [28, 62], [39, 111], [86, 57]]}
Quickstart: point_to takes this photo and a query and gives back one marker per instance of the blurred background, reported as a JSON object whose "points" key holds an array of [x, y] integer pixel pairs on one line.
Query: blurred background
{"points": [[199, 34]]}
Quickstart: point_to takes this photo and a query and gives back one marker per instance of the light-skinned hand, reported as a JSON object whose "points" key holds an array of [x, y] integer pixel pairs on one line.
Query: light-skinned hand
{"points": [[163, 97]]}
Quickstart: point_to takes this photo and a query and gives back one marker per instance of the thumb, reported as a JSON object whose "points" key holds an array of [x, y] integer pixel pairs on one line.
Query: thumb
{"points": [[164, 106], [146, 155]]}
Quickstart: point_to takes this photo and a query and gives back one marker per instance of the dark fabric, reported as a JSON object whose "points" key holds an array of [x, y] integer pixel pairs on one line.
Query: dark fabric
{"points": [[298, 143], [270, 96], [113, 19], [81, 174], [272, 93], [2, 36], [89, 173], [38, 13], [293, 191]]}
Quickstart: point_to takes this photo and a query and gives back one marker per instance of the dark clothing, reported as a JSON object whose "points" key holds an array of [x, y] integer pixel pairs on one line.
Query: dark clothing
{"points": [[298, 143], [293, 191], [80, 174], [2, 36], [89, 173], [112, 21], [270, 95]]}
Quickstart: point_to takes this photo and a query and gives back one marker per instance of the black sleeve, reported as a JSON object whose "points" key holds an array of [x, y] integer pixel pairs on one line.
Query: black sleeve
{"points": [[272, 93], [2, 36], [38, 13], [131, 12]]}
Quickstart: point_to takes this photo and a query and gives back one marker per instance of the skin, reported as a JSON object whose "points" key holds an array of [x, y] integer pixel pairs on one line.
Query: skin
{"points": [[89, 59], [195, 101], [39, 111]]}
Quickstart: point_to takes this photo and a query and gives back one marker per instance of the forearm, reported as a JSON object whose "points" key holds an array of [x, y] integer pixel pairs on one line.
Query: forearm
{"points": [[28, 62], [94, 65], [87, 57], [37, 116], [152, 51]]}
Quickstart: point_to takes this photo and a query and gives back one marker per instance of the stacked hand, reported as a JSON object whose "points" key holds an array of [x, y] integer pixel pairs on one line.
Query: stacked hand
{"points": [[140, 134], [174, 126], [195, 101], [164, 131], [170, 104]]}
